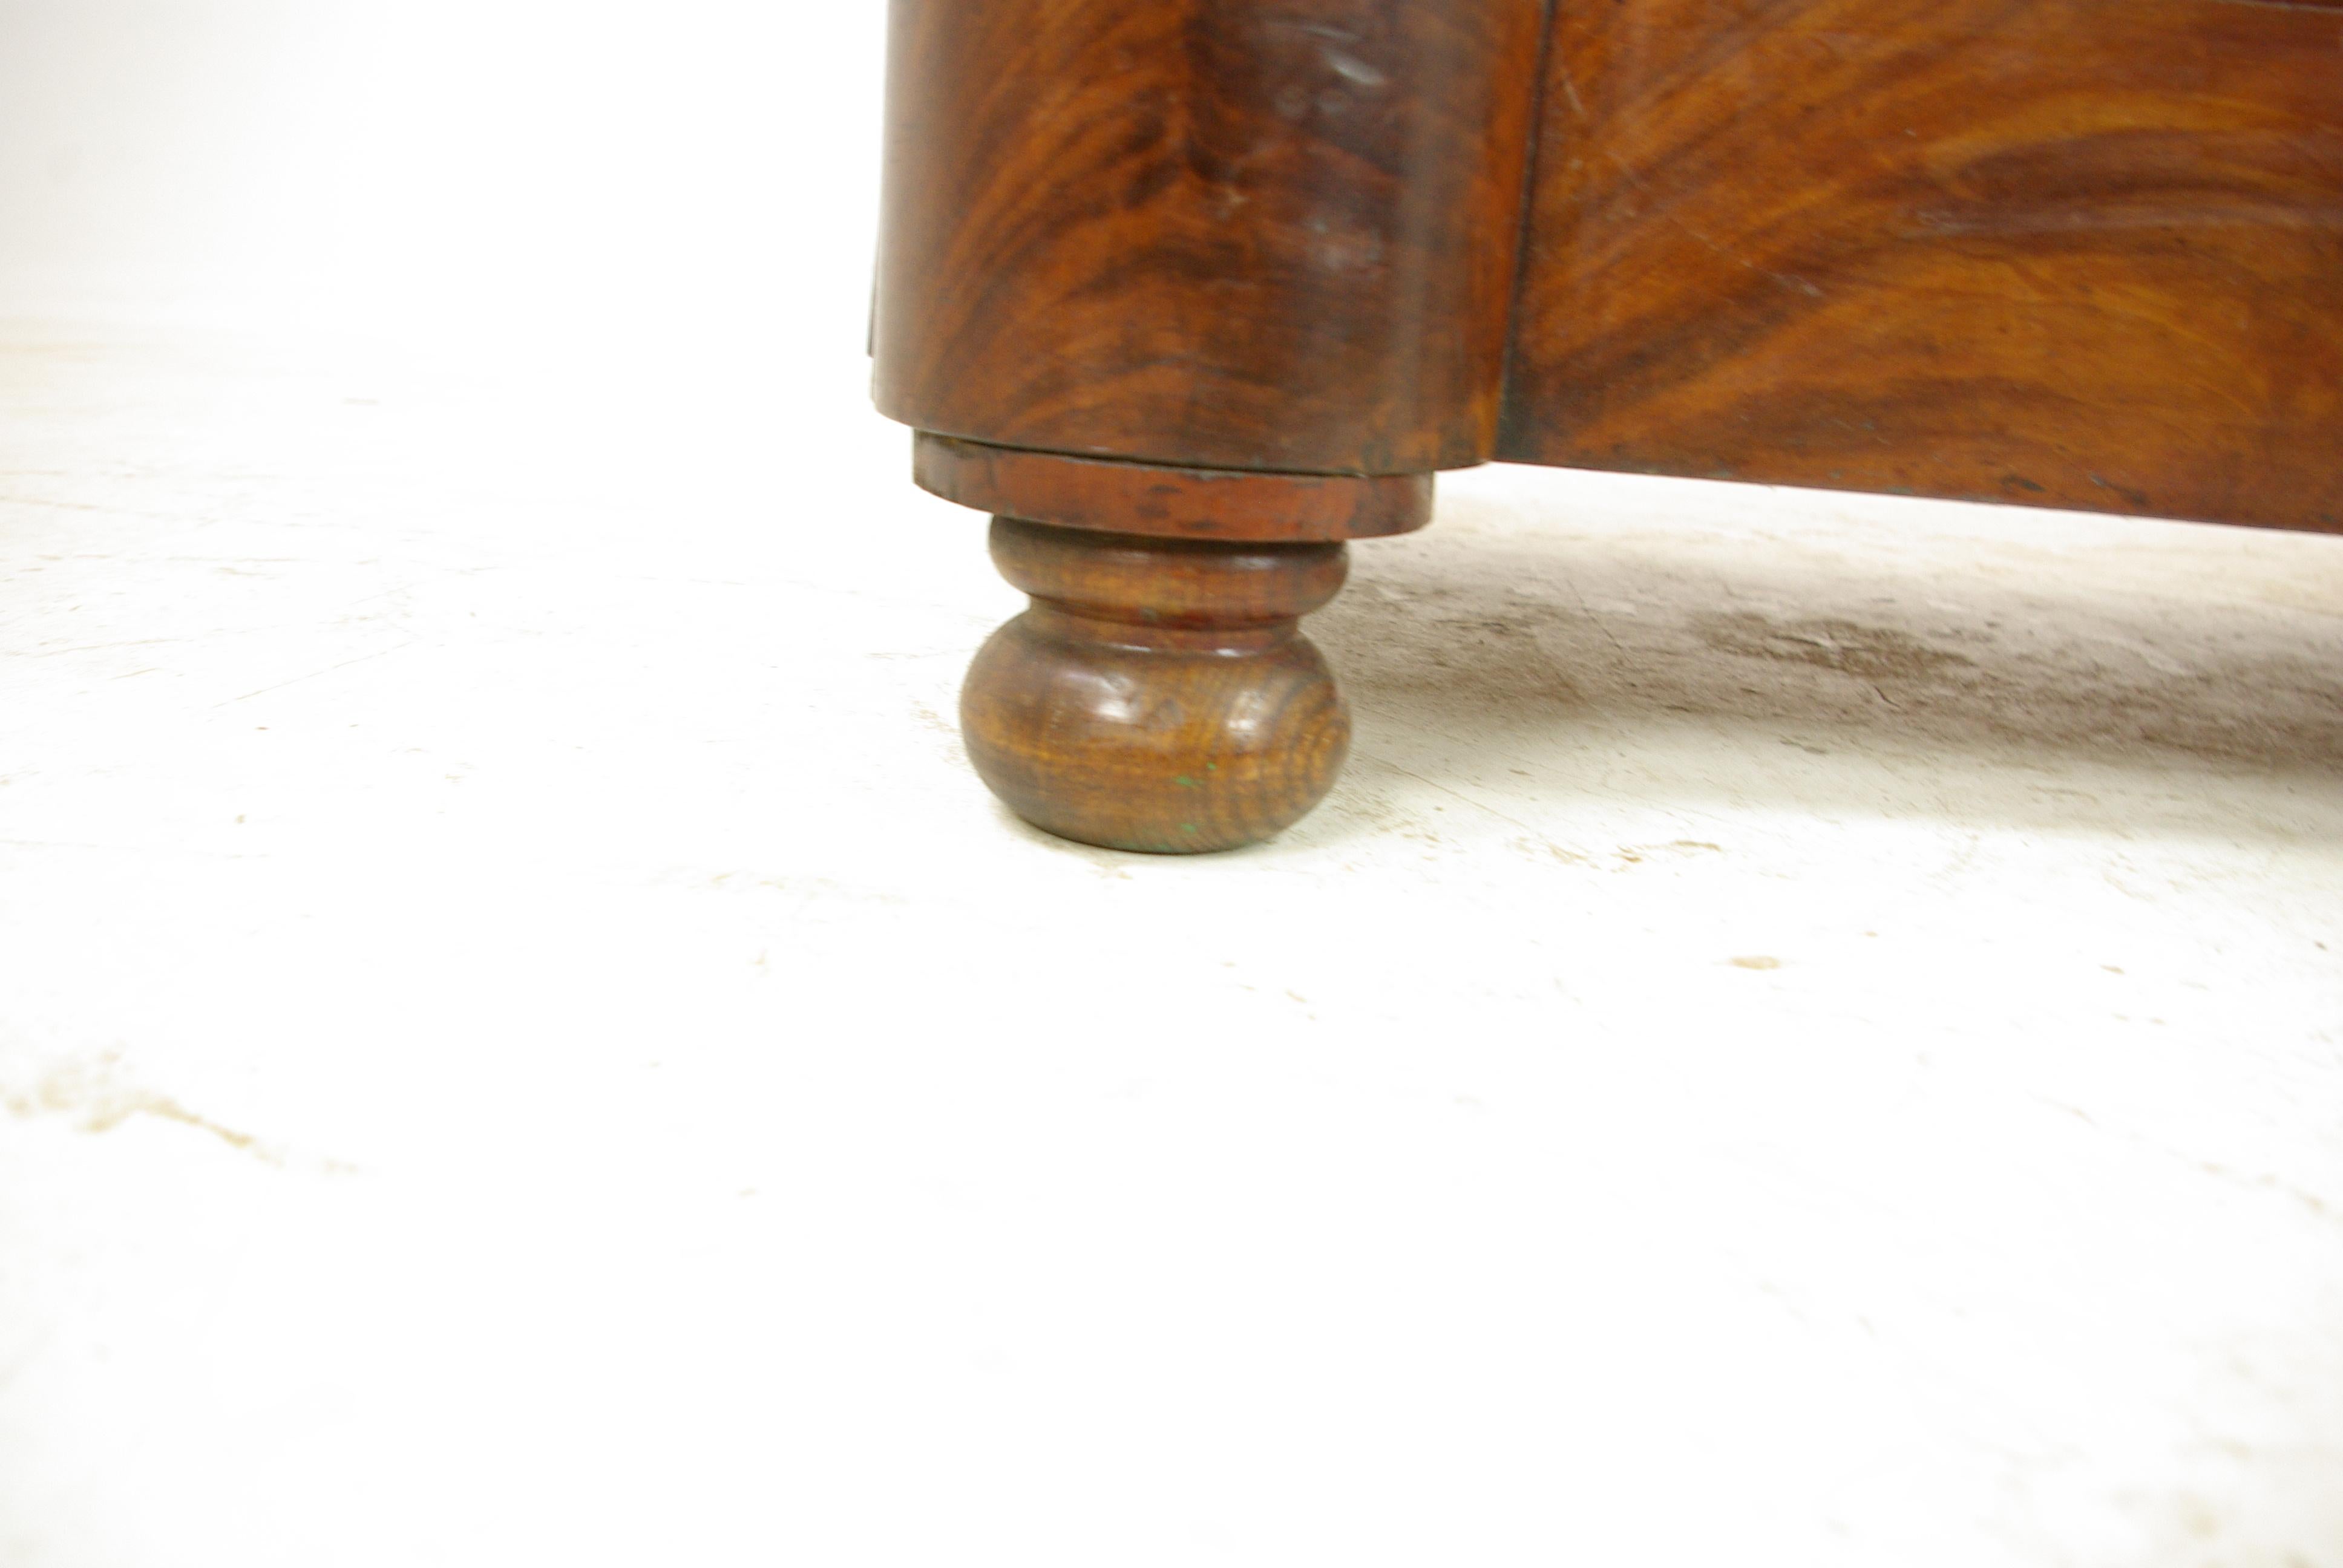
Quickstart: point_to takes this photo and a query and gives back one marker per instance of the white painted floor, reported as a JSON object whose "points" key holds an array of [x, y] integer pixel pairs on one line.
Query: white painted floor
{"points": [[1809, 1033]]}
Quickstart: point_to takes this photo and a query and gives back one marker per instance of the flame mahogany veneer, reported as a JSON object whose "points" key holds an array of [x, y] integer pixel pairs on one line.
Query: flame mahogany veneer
{"points": [[1188, 292], [2068, 253]]}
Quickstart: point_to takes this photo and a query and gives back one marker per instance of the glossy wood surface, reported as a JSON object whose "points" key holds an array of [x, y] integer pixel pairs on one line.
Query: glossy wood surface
{"points": [[1173, 503], [2078, 253], [1213, 233], [1157, 695]]}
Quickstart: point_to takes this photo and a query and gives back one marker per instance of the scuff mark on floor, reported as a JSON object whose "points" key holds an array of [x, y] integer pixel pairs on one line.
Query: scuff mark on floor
{"points": [[1870, 652], [94, 1094]]}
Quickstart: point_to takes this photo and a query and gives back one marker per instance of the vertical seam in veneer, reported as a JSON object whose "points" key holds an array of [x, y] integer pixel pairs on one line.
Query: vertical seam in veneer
{"points": [[1531, 157]]}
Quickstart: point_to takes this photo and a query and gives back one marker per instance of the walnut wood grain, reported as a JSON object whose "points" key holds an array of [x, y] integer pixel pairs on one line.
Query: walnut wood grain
{"points": [[1157, 695], [2077, 253], [1175, 503], [1222, 234]]}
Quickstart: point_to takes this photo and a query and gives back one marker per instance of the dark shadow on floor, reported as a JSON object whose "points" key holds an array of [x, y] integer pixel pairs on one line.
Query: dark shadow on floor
{"points": [[2179, 655]]}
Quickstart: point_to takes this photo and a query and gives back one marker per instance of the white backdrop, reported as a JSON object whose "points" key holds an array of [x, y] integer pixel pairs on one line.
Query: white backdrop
{"points": [[696, 178]]}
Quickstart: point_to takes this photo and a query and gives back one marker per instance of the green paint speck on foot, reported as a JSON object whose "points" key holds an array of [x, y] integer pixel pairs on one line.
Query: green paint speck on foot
{"points": [[1184, 782]]}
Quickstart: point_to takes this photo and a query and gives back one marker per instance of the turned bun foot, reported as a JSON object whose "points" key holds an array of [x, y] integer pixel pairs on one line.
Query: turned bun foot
{"points": [[1159, 695]]}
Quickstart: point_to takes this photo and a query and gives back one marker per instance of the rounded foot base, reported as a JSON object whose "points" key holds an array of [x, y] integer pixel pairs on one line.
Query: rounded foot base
{"points": [[1157, 695]]}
